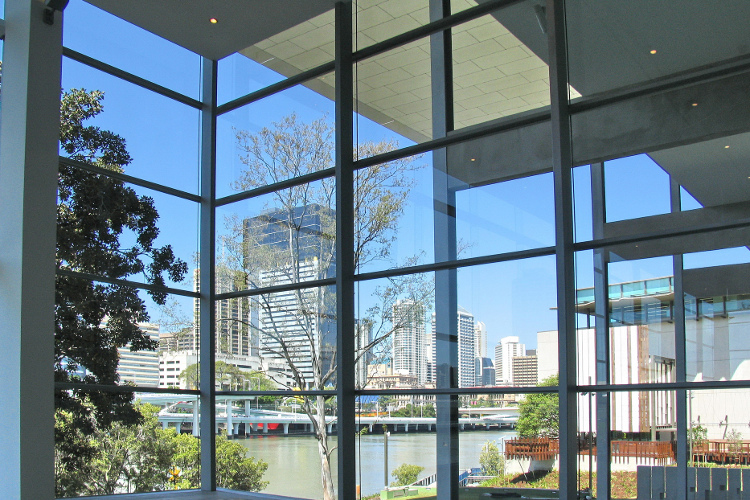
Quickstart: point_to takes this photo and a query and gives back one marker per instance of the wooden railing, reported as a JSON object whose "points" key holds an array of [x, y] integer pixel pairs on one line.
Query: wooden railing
{"points": [[656, 452], [722, 451], [532, 449]]}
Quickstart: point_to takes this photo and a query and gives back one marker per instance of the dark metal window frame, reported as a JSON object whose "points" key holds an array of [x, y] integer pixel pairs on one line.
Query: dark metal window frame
{"points": [[559, 115]]}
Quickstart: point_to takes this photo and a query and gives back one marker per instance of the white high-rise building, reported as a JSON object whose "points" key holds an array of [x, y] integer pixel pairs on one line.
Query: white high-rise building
{"points": [[505, 351], [480, 340], [409, 340], [466, 348], [140, 367]]}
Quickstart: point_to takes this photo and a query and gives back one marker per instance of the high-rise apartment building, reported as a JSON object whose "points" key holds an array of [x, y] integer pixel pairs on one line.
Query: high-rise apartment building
{"points": [[408, 352], [505, 351], [480, 339]]}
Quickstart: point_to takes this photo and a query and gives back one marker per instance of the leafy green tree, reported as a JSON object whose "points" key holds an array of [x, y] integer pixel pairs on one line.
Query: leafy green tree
{"points": [[539, 414], [490, 460], [233, 469], [93, 320], [406, 474]]}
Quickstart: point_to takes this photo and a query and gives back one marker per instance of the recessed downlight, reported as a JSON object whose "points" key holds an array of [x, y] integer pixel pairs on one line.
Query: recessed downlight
{"points": [[653, 51], [695, 104], [213, 20], [726, 147]]}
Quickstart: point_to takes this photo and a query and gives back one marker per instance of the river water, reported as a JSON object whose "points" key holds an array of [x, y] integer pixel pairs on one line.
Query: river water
{"points": [[294, 466]]}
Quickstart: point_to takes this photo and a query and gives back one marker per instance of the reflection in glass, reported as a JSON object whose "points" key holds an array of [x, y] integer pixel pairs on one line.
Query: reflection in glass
{"points": [[612, 45]]}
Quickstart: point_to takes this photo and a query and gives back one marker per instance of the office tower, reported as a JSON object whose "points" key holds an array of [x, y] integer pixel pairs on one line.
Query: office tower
{"points": [[505, 351], [292, 246], [484, 372], [525, 370]]}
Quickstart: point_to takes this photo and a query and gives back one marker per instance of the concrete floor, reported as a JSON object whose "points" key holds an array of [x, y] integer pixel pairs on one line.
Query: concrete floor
{"points": [[221, 494]]}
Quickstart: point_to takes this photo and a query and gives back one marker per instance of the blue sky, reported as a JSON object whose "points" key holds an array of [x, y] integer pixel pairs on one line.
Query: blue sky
{"points": [[516, 298]]}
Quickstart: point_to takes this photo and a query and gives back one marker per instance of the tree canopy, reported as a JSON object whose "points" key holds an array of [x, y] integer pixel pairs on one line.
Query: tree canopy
{"points": [[96, 215], [539, 413]]}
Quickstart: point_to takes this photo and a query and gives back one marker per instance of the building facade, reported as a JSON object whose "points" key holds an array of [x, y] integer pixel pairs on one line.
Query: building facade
{"points": [[507, 349]]}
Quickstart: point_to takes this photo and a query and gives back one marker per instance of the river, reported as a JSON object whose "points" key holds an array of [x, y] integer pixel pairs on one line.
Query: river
{"points": [[294, 466]]}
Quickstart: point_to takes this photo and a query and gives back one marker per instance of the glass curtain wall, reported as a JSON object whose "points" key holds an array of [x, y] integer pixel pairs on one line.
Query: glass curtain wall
{"points": [[385, 266]]}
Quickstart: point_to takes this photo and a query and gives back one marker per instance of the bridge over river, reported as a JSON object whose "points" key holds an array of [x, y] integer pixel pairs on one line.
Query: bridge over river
{"points": [[178, 412]]}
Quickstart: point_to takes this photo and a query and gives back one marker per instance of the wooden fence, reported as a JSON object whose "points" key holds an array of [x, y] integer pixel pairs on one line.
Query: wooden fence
{"points": [[652, 452]]}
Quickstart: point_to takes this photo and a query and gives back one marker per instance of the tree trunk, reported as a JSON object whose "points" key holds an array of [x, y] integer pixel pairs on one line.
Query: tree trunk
{"points": [[321, 434]]}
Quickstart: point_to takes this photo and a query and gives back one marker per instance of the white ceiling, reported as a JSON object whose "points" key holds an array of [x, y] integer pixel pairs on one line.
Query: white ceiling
{"points": [[240, 23]]}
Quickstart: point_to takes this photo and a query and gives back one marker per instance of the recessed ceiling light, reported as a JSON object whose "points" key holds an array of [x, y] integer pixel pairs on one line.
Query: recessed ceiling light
{"points": [[695, 104], [653, 51], [213, 20], [473, 159], [726, 147]]}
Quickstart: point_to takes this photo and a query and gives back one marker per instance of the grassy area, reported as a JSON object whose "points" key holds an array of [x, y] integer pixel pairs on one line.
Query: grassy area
{"points": [[623, 482]]}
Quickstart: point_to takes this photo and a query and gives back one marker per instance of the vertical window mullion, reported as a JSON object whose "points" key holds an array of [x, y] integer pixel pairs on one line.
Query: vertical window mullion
{"points": [[345, 326], [207, 323], [566, 289]]}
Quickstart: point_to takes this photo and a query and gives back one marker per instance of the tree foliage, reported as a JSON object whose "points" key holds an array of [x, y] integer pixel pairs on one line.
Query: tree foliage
{"points": [[139, 457], [406, 474], [95, 215], [490, 459], [539, 413]]}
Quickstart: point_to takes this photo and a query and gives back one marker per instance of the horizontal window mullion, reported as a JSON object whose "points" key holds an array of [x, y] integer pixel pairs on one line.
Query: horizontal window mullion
{"points": [[623, 240], [129, 77], [289, 392], [457, 264], [462, 135], [74, 386], [434, 27], [270, 188], [129, 283], [131, 180], [465, 391], [275, 88], [303, 285], [666, 386]]}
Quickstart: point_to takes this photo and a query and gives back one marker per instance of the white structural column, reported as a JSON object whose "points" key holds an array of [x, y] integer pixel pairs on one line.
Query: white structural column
{"points": [[30, 123]]}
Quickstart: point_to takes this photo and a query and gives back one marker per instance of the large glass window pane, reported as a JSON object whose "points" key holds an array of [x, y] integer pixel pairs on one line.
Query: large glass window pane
{"points": [[124, 442], [278, 138], [394, 346], [499, 65], [98, 340], [612, 44], [161, 136], [393, 89], [283, 238], [642, 443], [306, 43], [268, 447], [717, 300], [103, 36]]}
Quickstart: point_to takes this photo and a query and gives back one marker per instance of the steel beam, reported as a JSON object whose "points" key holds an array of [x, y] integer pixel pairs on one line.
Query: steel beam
{"points": [[207, 259], [345, 325]]}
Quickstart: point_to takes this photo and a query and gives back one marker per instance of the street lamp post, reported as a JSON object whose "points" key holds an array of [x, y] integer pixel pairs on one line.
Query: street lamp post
{"points": [[385, 455]]}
